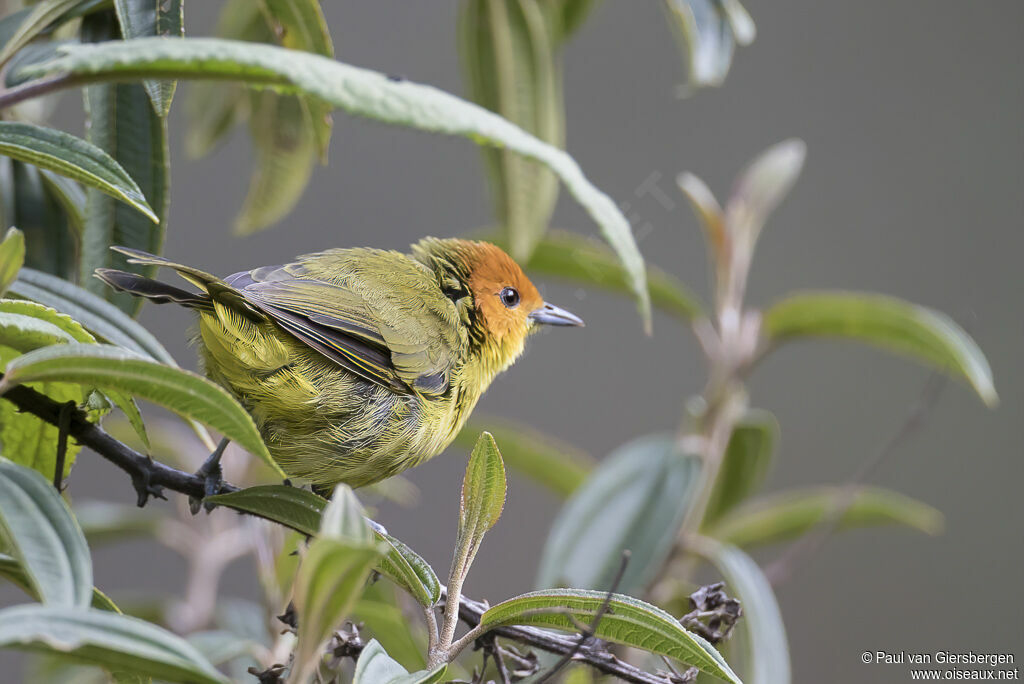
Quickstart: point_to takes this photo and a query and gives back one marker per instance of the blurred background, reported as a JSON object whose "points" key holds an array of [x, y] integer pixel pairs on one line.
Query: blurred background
{"points": [[912, 114]]}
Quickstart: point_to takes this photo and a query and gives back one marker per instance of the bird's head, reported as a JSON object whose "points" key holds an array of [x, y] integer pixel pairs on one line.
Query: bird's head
{"points": [[500, 303]]}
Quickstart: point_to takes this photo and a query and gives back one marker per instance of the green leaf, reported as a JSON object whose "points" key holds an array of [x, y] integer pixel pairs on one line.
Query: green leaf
{"points": [[300, 25], [122, 122], [73, 157], [214, 107], [343, 518], [789, 514], [511, 67], [34, 22], [115, 369], [112, 641], [292, 507], [886, 322], [745, 465], [766, 645], [143, 18], [289, 133], [69, 195], [386, 621], [483, 498], [301, 510], [358, 91], [579, 259], [408, 570], [375, 666], [282, 131], [557, 465], [635, 499], [40, 532], [96, 314], [30, 441], [331, 578], [628, 621], [50, 243], [25, 333], [12, 256], [708, 32]]}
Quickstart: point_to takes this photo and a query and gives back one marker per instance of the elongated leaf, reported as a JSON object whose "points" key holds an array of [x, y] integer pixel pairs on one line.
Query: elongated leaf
{"points": [[69, 329], [330, 581], [282, 131], [509, 59], [708, 32], [483, 498], [301, 510], [761, 188], [50, 244], [300, 25], [220, 646], [33, 23], [69, 195], [767, 648], [745, 465], [25, 333], [581, 260], [42, 535], [409, 571], [628, 621], [123, 122], [344, 518], [382, 617], [552, 463], [116, 369], [789, 514], [112, 641], [289, 132], [96, 314], [143, 18], [12, 256], [292, 507], [886, 322], [635, 499], [358, 91], [375, 666], [214, 107], [73, 157]]}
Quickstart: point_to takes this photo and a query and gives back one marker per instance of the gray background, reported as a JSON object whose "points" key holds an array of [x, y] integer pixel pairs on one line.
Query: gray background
{"points": [[912, 113]]}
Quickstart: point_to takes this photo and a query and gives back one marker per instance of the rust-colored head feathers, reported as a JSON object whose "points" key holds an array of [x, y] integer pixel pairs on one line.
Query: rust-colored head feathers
{"points": [[508, 304]]}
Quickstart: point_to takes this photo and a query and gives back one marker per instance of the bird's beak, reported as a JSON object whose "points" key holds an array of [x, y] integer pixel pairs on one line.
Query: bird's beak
{"points": [[549, 314]]}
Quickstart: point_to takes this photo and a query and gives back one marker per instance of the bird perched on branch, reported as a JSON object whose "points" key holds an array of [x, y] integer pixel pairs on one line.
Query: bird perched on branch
{"points": [[358, 363]]}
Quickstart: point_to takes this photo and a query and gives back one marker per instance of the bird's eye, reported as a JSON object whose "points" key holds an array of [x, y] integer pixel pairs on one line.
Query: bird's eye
{"points": [[509, 297]]}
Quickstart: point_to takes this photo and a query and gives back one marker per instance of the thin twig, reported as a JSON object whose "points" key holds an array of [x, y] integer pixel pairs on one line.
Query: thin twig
{"points": [[586, 634], [784, 566], [148, 476], [63, 426]]}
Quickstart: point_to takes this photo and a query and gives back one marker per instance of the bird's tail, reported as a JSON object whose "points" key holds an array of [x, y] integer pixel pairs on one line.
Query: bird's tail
{"points": [[211, 288]]}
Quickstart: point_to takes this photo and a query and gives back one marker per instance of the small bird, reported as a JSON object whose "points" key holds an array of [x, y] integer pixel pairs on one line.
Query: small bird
{"points": [[357, 364]]}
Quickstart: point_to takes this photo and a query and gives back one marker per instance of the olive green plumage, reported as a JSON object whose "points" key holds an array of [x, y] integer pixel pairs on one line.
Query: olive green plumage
{"points": [[358, 363]]}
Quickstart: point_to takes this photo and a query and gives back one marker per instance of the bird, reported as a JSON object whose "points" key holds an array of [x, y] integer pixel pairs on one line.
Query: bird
{"points": [[356, 363]]}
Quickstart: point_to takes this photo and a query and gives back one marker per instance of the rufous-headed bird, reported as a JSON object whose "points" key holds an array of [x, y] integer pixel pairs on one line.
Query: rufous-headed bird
{"points": [[358, 363]]}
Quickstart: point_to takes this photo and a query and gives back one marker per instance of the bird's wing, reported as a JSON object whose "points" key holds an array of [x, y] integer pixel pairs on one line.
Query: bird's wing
{"points": [[377, 314]]}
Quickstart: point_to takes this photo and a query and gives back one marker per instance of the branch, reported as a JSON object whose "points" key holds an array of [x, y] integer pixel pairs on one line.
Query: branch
{"points": [[150, 477]]}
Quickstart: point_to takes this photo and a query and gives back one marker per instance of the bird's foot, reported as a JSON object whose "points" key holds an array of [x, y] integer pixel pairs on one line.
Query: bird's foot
{"points": [[212, 476]]}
